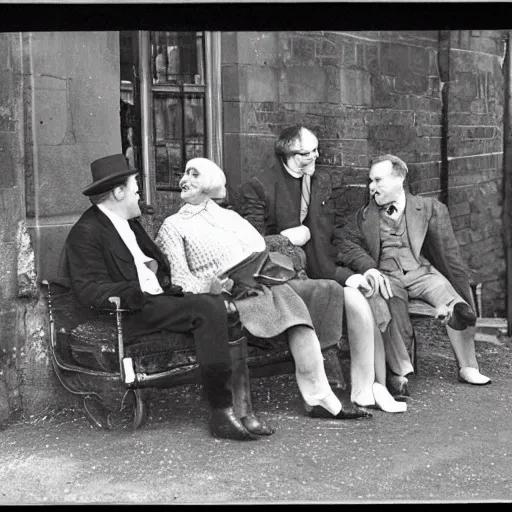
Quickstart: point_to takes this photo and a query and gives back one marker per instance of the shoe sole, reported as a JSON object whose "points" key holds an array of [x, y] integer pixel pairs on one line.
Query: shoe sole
{"points": [[464, 381]]}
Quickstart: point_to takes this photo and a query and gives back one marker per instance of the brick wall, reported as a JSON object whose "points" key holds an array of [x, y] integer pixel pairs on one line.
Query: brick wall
{"points": [[367, 93], [475, 153]]}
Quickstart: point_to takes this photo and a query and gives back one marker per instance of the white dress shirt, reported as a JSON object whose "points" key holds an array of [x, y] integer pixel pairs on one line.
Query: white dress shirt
{"points": [[147, 278], [399, 204]]}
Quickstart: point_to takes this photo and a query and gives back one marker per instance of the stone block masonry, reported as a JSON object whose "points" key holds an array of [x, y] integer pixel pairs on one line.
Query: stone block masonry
{"points": [[59, 110], [368, 93]]}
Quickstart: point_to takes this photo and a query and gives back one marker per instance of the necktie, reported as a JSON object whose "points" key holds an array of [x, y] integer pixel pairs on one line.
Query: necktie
{"points": [[305, 196], [391, 209]]}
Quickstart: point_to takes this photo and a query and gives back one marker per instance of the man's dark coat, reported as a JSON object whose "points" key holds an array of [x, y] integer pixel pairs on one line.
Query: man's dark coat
{"points": [[97, 264], [101, 264], [270, 201]]}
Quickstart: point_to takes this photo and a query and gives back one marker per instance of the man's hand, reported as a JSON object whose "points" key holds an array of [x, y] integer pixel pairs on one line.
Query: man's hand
{"points": [[298, 235], [379, 283], [444, 312], [359, 282]]}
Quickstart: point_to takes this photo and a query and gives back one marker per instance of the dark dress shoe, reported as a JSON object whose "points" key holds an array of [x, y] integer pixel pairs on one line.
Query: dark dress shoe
{"points": [[225, 425], [347, 413], [463, 316], [397, 387], [253, 424], [349, 410]]}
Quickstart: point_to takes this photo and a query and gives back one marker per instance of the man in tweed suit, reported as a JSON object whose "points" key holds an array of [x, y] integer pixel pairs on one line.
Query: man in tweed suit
{"points": [[406, 243]]}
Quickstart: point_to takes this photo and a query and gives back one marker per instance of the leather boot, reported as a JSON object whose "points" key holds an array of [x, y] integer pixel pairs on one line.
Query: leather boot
{"points": [[223, 421], [333, 369], [241, 389]]}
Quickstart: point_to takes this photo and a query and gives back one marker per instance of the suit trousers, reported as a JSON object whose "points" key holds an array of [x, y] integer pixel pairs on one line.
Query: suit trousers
{"points": [[203, 315], [431, 287]]}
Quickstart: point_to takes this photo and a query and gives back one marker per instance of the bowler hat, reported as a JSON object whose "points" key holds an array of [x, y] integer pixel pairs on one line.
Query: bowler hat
{"points": [[108, 172]]}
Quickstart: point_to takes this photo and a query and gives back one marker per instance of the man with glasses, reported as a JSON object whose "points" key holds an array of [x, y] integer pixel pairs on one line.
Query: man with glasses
{"points": [[293, 202]]}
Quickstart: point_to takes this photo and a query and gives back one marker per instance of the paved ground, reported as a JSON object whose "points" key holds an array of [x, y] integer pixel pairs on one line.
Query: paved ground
{"points": [[453, 444]]}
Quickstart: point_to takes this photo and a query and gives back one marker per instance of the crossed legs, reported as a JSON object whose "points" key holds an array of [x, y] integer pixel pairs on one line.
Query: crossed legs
{"points": [[435, 289], [367, 355]]}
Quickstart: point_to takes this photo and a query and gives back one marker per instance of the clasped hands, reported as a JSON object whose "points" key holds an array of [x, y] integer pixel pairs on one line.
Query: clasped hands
{"points": [[370, 283]]}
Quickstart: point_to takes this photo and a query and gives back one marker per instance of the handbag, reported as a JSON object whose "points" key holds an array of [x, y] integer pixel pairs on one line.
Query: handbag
{"points": [[261, 268]]}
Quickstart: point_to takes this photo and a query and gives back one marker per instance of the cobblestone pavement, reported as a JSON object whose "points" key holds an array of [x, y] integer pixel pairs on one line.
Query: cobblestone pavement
{"points": [[453, 444]]}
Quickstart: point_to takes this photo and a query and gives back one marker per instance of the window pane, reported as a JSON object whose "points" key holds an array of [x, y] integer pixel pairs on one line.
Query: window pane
{"points": [[167, 112], [194, 150], [178, 137], [194, 126], [162, 168], [129, 107], [175, 163], [177, 57], [168, 161], [194, 116]]}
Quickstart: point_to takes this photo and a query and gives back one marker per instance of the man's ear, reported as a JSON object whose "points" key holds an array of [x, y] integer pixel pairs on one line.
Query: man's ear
{"points": [[118, 192]]}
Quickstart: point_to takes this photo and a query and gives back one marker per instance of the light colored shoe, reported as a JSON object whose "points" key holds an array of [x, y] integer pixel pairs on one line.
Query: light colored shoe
{"points": [[471, 375], [385, 401]]}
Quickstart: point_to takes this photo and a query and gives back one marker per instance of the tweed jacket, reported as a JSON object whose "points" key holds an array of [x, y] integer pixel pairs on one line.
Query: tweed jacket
{"points": [[430, 234], [97, 264], [270, 201]]}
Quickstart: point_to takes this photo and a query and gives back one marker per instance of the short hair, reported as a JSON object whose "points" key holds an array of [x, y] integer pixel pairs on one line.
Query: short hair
{"points": [[216, 179], [287, 139], [397, 164], [103, 196]]}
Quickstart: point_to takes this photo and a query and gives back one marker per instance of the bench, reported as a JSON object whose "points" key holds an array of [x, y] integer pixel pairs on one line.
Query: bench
{"points": [[96, 360]]}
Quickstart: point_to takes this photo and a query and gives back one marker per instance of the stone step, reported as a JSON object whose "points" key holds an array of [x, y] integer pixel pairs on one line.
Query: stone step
{"points": [[497, 323]]}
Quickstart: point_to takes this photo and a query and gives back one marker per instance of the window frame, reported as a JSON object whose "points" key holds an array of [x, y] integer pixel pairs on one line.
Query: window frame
{"points": [[212, 106]]}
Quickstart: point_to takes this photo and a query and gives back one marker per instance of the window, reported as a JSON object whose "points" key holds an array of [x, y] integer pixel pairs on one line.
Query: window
{"points": [[167, 111]]}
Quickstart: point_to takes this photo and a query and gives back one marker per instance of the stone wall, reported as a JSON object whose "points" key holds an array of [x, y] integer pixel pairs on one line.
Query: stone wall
{"points": [[368, 93], [475, 153], [59, 110], [76, 98], [11, 221]]}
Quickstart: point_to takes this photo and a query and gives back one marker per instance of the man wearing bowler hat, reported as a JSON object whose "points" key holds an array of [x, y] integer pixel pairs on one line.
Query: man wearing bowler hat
{"points": [[108, 253]]}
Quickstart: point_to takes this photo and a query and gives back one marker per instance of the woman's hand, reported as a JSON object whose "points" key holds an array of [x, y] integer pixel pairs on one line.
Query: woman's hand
{"points": [[215, 286], [218, 286], [298, 235], [227, 284]]}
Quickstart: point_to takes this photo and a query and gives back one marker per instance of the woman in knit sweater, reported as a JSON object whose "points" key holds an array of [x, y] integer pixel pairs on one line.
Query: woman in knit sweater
{"points": [[203, 240]]}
